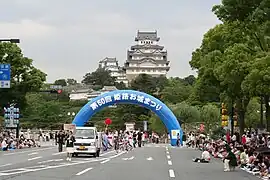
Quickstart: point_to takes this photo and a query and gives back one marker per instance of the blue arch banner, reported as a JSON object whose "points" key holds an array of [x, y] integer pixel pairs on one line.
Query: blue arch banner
{"points": [[131, 97]]}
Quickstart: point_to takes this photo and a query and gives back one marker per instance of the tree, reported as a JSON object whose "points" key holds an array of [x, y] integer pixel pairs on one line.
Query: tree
{"points": [[120, 85], [144, 83], [257, 83], [254, 18], [210, 115], [176, 91], [252, 119], [156, 125], [101, 77], [61, 82], [71, 82], [186, 113], [205, 58], [25, 77], [189, 80]]}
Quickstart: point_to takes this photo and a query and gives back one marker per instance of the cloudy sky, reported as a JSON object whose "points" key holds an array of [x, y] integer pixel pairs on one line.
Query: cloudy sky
{"points": [[67, 38]]}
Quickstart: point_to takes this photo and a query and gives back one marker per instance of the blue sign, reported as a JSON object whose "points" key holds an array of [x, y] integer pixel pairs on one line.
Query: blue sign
{"points": [[5, 76], [4, 72], [131, 97]]}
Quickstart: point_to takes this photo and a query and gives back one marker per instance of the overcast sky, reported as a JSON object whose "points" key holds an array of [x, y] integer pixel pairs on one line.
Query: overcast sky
{"points": [[67, 38]]}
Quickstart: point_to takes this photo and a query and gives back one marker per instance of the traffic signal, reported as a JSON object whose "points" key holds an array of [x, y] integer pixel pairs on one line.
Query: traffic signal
{"points": [[224, 115], [235, 117]]}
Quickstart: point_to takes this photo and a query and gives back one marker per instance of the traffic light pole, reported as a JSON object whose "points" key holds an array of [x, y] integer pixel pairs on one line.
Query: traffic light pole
{"points": [[232, 120]]}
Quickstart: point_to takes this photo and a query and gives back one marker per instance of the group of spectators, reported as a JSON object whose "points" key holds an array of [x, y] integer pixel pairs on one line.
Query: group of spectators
{"points": [[251, 151], [8, 141]]}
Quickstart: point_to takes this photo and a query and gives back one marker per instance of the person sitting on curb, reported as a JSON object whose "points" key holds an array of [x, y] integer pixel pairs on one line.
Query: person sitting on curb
{"points": [[205, 157]]}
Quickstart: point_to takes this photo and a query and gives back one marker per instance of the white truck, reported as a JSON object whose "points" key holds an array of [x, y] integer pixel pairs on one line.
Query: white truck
{"points": [[88, 141]]}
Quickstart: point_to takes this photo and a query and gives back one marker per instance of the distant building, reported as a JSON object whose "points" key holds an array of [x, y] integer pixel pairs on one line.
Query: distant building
{"points": [[111, 64], [146, 57], [88, 93]]}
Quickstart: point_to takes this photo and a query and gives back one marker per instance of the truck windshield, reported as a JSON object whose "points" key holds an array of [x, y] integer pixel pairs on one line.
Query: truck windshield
{"points": [[85, 133]]}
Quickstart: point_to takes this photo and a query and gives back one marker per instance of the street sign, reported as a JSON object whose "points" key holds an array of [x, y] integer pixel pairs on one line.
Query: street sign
{"points": [[5, 76], [11, 117], [56, 87], [174, 133]]}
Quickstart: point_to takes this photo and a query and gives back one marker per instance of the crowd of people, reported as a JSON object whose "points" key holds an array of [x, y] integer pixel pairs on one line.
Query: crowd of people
{"points": [[124, 140], [10, 142], [250, 152]]}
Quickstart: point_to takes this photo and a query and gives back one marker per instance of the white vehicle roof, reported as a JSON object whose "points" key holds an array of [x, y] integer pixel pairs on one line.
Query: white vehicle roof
{"points": [[94, 128]]}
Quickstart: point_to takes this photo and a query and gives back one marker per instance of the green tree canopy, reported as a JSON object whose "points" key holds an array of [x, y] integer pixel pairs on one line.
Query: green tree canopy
{"points": [[25, 77], [61, 82], [101, 77]]}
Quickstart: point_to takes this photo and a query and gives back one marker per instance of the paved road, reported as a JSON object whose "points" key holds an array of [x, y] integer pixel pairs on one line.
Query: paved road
{"points": [[157, 162]]}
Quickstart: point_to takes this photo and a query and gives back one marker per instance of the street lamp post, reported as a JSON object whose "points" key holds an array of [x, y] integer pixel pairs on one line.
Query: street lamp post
{"points": [[71, 114]]}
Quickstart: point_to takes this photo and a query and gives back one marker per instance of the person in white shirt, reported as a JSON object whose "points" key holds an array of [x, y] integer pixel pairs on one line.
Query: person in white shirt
{"points": [[205, 157], [4, 145]]}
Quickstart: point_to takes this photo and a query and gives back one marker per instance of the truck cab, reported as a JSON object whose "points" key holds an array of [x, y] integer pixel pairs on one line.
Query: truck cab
{"points": [[87, 141]]}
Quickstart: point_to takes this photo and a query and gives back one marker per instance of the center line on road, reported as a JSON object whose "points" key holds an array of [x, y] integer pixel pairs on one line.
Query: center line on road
{"points": [[32, 153], [84, 171], [171, 173], [168, 156], [31, 159], [170, 163], [167, 152], [102, 162]]}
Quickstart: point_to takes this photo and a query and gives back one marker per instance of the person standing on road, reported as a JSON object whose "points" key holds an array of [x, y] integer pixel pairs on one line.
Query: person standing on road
{"points": [[139, 138], [178, 140], [70, 145], [56, 137], [184, 139], [134, 139], [61, 139]]}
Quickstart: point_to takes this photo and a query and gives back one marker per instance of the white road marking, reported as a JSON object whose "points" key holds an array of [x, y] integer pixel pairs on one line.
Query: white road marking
{"points": [[167, 152], [117, 155], [3, 174], [168, 156], [107, 160], [4, 165], [149, 159], [84, 171], [31, 159], [27, 169], [34, 153], [54, 154], [107, 153], [132, 157], [23, 152], [170, 163], [51, 160], [171, 173]]}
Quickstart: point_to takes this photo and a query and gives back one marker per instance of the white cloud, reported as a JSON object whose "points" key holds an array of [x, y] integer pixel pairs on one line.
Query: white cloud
{"points": [[25, 29], [67, 39]]}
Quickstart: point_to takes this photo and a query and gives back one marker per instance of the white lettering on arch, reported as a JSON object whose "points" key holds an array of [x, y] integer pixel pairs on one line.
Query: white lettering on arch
{"points": [[101, 101], [94, 106], [117, 97]]}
